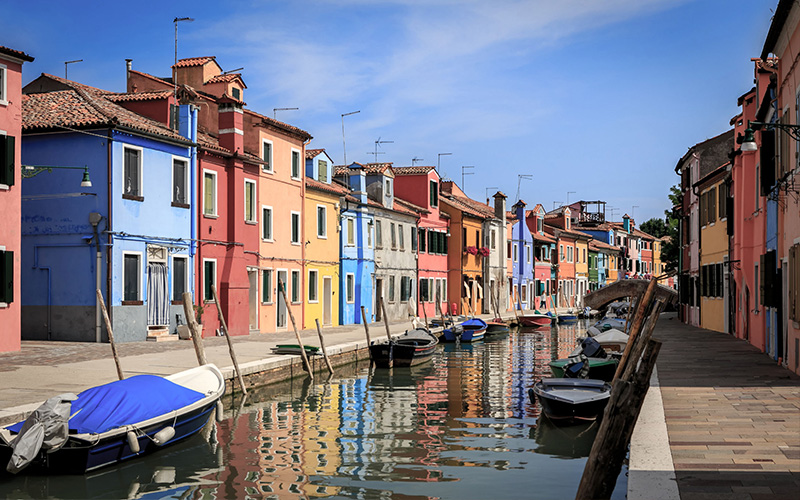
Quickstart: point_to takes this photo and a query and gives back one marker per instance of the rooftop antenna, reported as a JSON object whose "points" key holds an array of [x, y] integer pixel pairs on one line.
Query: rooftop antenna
{"points": [[174, 69], [344, 148], [487, 192], [376, 153], [65, 66], [439, 162], [633, 211], [569, 193], [232, 70], [520, 177], [556, 204], [464, 172], [415, 160], [275, 111]]}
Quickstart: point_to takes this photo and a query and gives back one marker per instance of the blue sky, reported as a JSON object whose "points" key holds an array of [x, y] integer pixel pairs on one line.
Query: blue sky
{"points": [[594, 99]]}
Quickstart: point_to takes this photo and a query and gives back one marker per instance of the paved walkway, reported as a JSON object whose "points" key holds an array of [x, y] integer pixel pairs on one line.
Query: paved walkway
{"points": [[732, 416]]}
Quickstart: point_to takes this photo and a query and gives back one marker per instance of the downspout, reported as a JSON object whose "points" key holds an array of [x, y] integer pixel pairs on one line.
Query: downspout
{"points": [[94, 220], [193, 112], [109, 227]]}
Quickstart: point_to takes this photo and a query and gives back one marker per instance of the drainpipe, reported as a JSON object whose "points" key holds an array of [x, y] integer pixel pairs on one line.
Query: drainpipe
{"points": [[94, 220], [109, 227]]}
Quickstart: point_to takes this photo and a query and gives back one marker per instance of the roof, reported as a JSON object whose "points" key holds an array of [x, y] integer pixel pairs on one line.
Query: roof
{"points": [[15, 53], [712, 152], [469, 206], [139, 96], [542, 237], [78, 107], [194, 61], [313, 153], [411, 206], [377, 168], [415, 170], [601, 245], [778, 21], [210, 143], [272, 122], [333, 188], [345, 170], [227, 78]]}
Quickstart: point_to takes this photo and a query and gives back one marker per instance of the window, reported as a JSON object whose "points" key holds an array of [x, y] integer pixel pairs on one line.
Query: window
{"points": [[422, 239], [312, 286], [7, 159], [561, 251], [179, 277], [131, 277], [413, 239], [209, 193], [266, 223], [539, 224], [322, 221], [431, 290], [266, 155], [295, 164], [527, 254], [6, 276], [508, 249], [350, 292], [478, 238], [369, 234], [493, 239], [423, 290], [400, 237], [266, 286], [132, 173], [237, 93], [393, 235], [351, 229], [295, 228], [249, 201], [391, 288], [723, 199], [405, 288], [434, 192], [322, 171], [516, 245], [3, 85], [378, 234], [794, 283], [295, 287], [179, 183], [209, 278]]}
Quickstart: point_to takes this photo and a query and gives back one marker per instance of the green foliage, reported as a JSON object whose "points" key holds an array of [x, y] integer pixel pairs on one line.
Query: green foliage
{"points": [[654, 227], [670, 251]]}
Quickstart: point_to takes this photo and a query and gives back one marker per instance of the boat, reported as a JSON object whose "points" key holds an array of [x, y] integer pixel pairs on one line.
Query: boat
{"points": [[295, 349], [496, 328], [609, 323], [563, 441], [567, 317], [599, 368], [409, 349], [470, 330], [535, 320], [612, 340], [113, 422], [571, 400]]}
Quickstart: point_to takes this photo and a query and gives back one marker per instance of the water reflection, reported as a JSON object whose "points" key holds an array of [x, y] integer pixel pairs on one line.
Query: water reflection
{"points": [[460, 427]]}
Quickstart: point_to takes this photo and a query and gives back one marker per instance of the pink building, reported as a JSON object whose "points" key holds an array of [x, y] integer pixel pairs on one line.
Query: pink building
{"points": [[420, 186], [11, 62]]}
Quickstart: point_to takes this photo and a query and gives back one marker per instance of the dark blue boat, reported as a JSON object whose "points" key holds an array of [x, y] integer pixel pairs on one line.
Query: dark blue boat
{"points": [[116, 421], [470, 330]]}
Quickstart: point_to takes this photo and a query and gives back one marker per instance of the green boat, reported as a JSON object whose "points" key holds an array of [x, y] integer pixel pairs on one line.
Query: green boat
{"points": [[599, 368], [295, 349]]}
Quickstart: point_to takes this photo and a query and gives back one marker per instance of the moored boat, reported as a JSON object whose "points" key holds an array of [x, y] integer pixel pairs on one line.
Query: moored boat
{"points": [[535, 320], [470, 330], [599, 368], [111, 423], [567, 317], [295, 349], [496, 328], [409, 349], [569, 399]]}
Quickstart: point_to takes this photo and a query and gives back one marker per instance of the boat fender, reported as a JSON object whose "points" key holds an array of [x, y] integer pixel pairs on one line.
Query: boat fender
{"points": [[164, 435], [532, 395], [219, 411], [133, 442]]}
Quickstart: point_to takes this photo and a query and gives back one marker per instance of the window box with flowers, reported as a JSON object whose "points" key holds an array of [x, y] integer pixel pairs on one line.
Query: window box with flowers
{"points": [[484, 251], [471, 250]]}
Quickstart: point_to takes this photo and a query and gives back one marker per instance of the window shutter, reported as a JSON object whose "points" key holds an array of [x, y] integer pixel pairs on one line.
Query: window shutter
{"points": [[786, 141], [762, 275], [7, 274], [7, 157], [444, 243], [767, 159], [712, 205]]}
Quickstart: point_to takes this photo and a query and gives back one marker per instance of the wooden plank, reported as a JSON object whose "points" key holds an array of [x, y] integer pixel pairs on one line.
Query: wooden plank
{"points": [[626, 288], [638, 322], [282, 288]]}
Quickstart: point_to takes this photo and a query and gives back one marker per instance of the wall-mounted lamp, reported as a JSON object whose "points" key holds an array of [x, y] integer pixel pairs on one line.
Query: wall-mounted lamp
{"points": [[749, 140], [29, 171]]}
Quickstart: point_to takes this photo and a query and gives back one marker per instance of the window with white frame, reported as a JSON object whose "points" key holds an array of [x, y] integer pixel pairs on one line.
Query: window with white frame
{"points": [[322, 221], [369, 234], [393, 235], [378, 234], [322, 171], [516, 245], [431, 284], [295, 286], [295, 228], [209, 193], [209, 278], [351, 231], [313, 278], [494, 244], [3, 84], [266, 223], [131, 172], [131, 277], [180, 277], [561, 252], [350, 287], [391, 288], [295, 164], [266, 286], [180, 182], [249, 201], [266, 155], [400, 237]]}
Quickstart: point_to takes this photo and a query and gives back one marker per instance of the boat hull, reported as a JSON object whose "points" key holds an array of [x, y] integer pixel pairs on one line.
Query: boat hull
{"points": [[599, 368], [496, 329], [403, 351], [534, 321], [579, 401], [567, 318]]}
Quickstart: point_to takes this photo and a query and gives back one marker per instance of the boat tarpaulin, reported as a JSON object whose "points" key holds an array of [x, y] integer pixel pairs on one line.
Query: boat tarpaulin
{"points": [[125, 402], [45, 428]]}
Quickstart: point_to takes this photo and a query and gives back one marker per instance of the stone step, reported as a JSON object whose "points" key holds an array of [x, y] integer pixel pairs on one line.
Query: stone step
{"points": [[162, 338]]}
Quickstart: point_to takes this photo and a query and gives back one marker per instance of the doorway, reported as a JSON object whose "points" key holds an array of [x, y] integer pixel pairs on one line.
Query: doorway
{"points": [[327, 300], [252, 276], [378, 299], [280, 317]]}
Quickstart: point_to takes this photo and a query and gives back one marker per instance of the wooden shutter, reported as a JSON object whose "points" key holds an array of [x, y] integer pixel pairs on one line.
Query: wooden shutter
{"points": [[7, 277], [7, 158], [712, 205], [786, 141], [767, 151], [761, 278]]}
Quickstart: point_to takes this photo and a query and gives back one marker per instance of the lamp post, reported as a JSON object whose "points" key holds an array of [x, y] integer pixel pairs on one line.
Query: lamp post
{"points": [[749, 141], [29, 171], [344, 148]]}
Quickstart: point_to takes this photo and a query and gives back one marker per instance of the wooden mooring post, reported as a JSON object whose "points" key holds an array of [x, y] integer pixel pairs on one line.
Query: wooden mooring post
{"points": [[366, 325], [194, 328], [630, 385], [228, 338], [322, 346], [307, 364], [110, 333]]}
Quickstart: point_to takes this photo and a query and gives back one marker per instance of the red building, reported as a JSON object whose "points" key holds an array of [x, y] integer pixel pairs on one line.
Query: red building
{"points": [[420, 186], [11, 62], [558, 224]]}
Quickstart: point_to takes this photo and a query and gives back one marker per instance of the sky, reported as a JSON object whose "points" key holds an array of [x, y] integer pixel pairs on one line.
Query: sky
{"points": [[591, 100]]}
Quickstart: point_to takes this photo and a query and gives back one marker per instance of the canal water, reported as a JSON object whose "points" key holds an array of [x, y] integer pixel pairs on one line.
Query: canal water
{"points": [[459, 427]]}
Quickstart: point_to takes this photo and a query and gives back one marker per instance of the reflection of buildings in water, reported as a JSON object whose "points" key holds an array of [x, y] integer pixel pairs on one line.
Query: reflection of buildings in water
{"points": [[320, 439]]}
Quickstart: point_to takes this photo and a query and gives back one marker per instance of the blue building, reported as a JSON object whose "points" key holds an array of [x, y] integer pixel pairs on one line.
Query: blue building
{"points": [[357, 243], [522, 259], [129, 233]]}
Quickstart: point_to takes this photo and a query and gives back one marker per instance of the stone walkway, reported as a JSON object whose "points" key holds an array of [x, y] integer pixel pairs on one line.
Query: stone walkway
{"points": [[732, 415]]}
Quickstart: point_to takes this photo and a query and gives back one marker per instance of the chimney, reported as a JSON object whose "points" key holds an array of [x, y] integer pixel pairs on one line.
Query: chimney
{"points": [[500, 206], [357, 179], [128, 73], [626, 223], [231, 124]]}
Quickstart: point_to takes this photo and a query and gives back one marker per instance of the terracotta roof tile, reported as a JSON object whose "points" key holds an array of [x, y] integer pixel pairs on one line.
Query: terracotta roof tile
{"points": [[377, 168], [139, 96], [330, 188], [227, 78], [281, 125], [15, 53], [469, 206], [193, 61], [411, 206], [415, 170], [313, 153], [342, 170]]}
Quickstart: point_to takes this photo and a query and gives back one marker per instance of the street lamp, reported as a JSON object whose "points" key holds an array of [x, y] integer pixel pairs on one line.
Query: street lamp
{"points": [[29, 171], [749, 141]]}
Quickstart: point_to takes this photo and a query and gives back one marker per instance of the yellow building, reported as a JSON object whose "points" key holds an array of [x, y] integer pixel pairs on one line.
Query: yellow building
{"points": [[321, 266], [581, 268], [713, 250], [658, 267]]}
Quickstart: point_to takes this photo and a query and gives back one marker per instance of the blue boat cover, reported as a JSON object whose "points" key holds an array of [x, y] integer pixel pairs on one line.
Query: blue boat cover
{"points": [[474, 324], [125, 402]]}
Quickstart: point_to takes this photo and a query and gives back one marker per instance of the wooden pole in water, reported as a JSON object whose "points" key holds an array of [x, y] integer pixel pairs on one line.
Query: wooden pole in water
{"points": [[366, 324], [638, 321], [194, 328], [322, 345], [110, 333], [425, 314], [307, 364], [228, 338], [386, 321]]}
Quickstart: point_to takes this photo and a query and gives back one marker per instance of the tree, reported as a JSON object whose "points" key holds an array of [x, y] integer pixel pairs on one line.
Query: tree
{"points": [[654, 227], [670, 250]]}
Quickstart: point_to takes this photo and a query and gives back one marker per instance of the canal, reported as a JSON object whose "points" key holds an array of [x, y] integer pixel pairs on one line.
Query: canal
{"points": [[459, 427]]}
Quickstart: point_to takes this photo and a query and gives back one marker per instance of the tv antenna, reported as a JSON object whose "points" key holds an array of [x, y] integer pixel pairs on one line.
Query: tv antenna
{"points": [[414, 160], [487, 192], [275, 111], [377, 143], [464, 172], [66, 63], [520, 177]]}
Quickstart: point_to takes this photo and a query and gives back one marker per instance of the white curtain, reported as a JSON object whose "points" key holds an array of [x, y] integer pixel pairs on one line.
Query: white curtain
{"points": [[157, 294]]}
